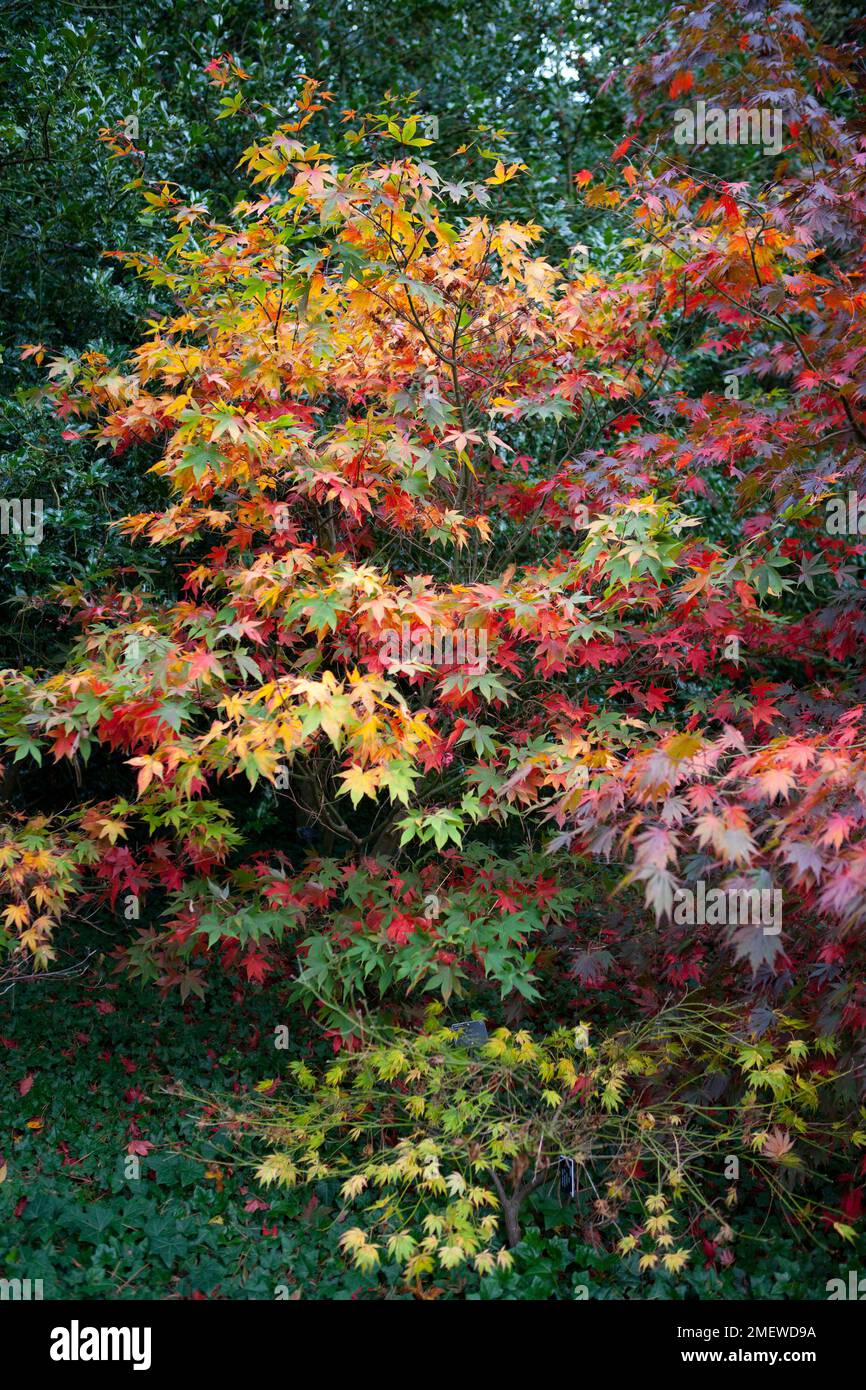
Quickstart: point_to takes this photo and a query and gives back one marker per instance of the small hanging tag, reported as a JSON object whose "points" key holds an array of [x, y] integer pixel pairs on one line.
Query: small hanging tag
{"points": [[471, 1033], [567, 1175]]}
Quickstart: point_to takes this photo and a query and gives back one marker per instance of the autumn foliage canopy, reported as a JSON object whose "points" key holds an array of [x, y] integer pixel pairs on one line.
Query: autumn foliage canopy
{"points": [[504, 605]]}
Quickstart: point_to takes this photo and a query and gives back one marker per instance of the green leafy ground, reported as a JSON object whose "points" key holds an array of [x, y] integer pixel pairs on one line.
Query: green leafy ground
{"points": [[99, 1062]]}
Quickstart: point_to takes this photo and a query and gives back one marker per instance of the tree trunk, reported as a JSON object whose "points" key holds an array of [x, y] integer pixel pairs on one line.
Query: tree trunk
{"points": [[510, 1212]]}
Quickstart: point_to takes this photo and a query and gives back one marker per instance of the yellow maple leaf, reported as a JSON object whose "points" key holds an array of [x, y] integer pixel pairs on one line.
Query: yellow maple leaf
{"points": [[359, 782]]}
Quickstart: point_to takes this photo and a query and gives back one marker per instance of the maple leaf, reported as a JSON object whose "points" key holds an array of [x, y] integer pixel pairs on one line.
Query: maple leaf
{"points": [[728, 834], [148, 768], [655, 698], [777, 781], [359, 782], [683, 82], [756, 946], [779, 1145], [141, 1147]]}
